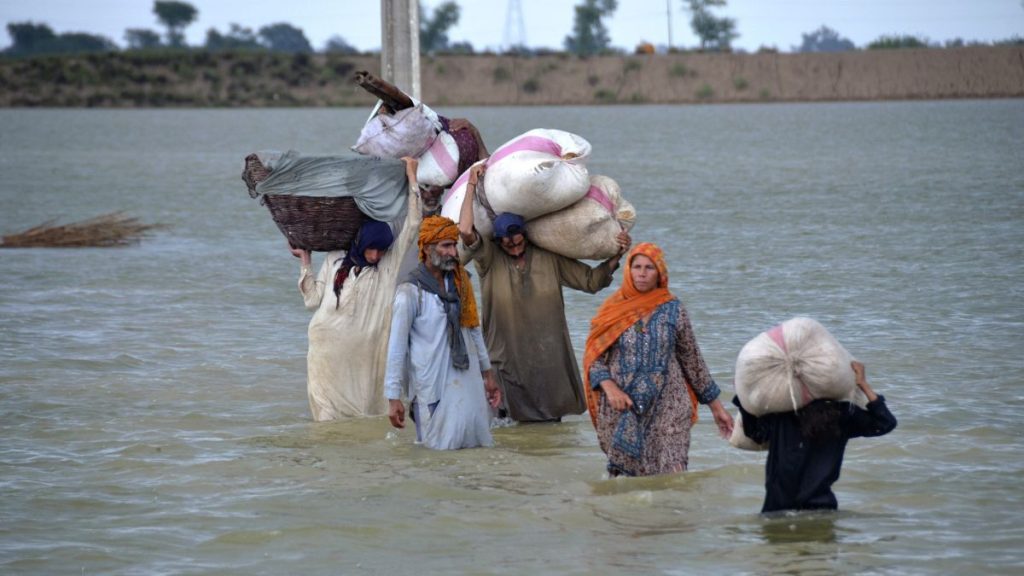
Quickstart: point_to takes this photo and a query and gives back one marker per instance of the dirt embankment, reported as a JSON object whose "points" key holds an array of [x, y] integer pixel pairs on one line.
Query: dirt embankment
{"points": [[229, 80]]}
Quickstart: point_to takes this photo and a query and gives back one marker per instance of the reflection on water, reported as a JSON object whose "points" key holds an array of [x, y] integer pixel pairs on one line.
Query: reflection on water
{"points": [[153, 405]]}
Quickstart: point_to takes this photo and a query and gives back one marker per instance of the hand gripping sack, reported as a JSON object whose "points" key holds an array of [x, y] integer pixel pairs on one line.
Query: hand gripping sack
{"points": [[536, 173], [798, 361], [587, 229]]}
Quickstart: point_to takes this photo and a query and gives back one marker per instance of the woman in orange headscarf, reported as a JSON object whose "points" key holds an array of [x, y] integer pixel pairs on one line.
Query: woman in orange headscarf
{"points": [[644, 373]]}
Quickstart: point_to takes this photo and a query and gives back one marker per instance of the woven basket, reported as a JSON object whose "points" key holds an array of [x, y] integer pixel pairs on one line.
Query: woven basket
{"points": [[317, 223]]}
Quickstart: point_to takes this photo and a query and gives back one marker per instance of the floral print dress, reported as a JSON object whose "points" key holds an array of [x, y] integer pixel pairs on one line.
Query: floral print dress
{"points": [[653, 362]]}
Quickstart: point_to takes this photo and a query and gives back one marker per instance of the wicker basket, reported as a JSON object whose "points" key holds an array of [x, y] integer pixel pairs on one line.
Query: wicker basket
{"points": [[317, 223]]}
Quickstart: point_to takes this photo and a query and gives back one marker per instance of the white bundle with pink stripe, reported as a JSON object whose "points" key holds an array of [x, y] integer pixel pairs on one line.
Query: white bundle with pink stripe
{"points": [[798, 361], [588, 228], [536, 173], [439, 165], [414, 132]]}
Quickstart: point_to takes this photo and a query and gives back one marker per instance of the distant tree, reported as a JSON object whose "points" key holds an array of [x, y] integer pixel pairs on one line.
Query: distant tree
{"points": [[715, 33], [825, 39], [141, 39], [589, 35], [32, 39], [82, 42], [176, 16], [283, 37], [337, 45], [460, 48], [238, 38], [29, 38], [434, 29], [888, 42]]}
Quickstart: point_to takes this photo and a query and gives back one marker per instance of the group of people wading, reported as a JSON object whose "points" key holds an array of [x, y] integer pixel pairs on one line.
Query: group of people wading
{"points": [[409, 340]]}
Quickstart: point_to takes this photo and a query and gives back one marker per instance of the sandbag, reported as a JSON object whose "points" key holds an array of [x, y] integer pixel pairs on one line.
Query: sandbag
{"points": [[407, 132], [784, 368], [536, 173], [588, 228]]}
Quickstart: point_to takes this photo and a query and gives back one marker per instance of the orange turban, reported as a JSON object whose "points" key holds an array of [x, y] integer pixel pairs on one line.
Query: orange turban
{"points": [[620, 311], [434, 229]]}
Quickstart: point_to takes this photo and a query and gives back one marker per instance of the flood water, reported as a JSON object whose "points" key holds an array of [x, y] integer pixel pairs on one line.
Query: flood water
{"points": [[153, 413]]}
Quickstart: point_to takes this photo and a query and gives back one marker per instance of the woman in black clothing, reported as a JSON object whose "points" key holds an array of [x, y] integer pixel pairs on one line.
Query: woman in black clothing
{"points": [[805, 448]]}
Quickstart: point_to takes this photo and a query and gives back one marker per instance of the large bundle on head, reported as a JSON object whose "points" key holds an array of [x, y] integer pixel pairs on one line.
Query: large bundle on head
{"points": [[416, 132], [798, 361], [588, 228], [319, 202], [400, 126], [536, 173]]}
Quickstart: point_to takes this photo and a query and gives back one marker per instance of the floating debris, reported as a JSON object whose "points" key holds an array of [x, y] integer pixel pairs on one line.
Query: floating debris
{"points": [[114, 229]]}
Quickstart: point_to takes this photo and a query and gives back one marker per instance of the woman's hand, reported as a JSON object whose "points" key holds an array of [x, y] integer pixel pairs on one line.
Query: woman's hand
{"points": [[303, 255], [722, 418], [617, 399], [862, 381]]}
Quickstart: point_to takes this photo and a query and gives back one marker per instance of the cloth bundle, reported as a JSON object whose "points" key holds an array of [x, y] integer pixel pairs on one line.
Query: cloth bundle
{"points": [[788, 366], [416, 132]]}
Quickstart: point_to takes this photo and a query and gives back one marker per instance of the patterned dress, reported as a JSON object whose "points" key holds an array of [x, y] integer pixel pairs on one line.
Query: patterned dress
{"points": [[652, 362]]}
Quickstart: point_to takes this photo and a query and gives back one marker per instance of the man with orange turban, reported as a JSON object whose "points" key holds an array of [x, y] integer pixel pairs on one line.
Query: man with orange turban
{"points": [[436, 351]]}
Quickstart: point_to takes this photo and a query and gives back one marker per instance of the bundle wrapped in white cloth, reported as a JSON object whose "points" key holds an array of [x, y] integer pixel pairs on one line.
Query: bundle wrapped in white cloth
{"points": [[587, 229], [535, 173], [416, 132], [788, 366]]}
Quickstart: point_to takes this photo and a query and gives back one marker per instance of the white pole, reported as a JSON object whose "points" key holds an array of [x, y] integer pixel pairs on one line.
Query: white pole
{"points": [[400, 44]]}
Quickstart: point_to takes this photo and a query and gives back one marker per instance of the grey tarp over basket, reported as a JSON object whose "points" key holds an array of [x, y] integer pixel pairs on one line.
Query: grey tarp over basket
{"points": [[319, 202]]}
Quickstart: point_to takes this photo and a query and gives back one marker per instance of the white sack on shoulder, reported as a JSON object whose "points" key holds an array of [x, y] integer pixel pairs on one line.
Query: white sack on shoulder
{"points": [[784, 368], [588, 229], [408, 132], [535, 173]]}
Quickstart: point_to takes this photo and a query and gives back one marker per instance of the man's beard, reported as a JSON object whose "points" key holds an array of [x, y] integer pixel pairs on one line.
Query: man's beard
{"points": [[442, 262]]}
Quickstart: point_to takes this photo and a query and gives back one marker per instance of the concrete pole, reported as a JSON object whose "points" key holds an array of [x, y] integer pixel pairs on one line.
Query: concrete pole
{"points": [[400, 44]]}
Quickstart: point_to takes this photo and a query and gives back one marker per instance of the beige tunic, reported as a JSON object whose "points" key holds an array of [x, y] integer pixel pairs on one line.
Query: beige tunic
{"points": [[523, 314], [348, 337]]}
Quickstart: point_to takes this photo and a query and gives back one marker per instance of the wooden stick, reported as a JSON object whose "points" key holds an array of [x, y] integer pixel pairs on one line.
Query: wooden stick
{"points": [[392, 97]]}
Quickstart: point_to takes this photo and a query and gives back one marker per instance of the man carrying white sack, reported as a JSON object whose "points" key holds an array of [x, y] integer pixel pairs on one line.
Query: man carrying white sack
{"points": [[524, 312]]}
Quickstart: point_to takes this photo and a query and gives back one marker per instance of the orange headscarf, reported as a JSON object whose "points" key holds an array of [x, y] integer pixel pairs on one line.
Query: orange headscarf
{"points": [[434, 229], [620, 311]]}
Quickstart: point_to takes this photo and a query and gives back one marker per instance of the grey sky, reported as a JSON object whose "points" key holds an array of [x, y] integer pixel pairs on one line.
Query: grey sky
{"points": [[777, 23]]}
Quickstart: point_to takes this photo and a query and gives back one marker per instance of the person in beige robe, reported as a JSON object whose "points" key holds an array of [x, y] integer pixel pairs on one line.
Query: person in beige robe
{"points": [[348, 334], [523, 313]]}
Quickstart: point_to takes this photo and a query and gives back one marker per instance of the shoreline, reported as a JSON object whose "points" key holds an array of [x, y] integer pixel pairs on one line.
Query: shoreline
{"points": [[263, 79]]}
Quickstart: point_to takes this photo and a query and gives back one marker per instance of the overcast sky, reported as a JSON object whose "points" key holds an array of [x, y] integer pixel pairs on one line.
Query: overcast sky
{"points": [[485, 23]]}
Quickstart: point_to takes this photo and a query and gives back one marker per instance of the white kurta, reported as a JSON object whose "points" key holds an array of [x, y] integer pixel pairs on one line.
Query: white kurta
{"points": [[348, 337], [450, 405]]}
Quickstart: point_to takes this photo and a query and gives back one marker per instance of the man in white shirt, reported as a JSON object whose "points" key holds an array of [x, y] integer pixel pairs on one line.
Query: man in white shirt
{"points": [[436, 350]]}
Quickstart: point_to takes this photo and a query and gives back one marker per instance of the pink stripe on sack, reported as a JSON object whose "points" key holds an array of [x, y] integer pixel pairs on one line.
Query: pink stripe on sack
{"points": [[598, 195], [530, 143], [776, 335], [447, 164]]}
